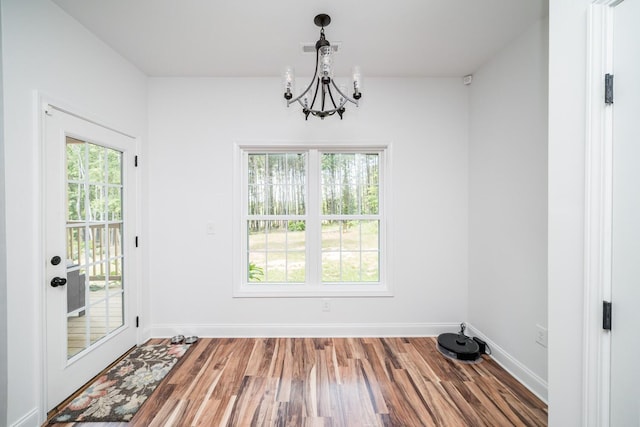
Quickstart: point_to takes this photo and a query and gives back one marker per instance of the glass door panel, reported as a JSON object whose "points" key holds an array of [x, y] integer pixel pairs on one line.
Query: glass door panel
{"points": [[95, 297]]}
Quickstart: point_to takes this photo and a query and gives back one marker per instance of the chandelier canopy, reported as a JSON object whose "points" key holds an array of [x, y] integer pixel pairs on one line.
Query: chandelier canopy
{"points": [[323, 97]]}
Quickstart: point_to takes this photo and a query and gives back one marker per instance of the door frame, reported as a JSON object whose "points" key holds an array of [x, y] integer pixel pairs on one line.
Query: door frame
{"points": [[41, 103], [598, 216]]}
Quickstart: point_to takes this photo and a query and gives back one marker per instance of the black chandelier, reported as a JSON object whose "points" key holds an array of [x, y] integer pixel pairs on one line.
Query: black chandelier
{"points": [[320, 90]]}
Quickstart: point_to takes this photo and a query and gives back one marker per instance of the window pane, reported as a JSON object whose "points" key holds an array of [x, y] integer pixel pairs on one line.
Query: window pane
{"points": [[97, 244], [98, 321], [97, 206], [296, 202], [331, 200], [75, 245], [277, 252], [350, 267], [115, 203], [75, 159], [114, 160], [276, 184], [330, 170], [257, 232], [277, 196], [296, 166], [77, 326], [257, 200], [369, 200], [75, 202], [257, 169], [276, 247], [369, 232], [350, 235], [350, 251], [330, 236], [115, 275], [349, 184], [277, 168], [276, 266], [115, 240], [97, 282], [296, 267], [257, 235], [277, 236], [296, 235], [330, 266], [257, 267], [370, 183], [370, 267], [96, 163]]}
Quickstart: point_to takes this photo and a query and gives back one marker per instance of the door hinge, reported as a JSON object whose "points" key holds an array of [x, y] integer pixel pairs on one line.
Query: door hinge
{"points": [[135, 161], [136, 241], [137, 321], [606, 315], [48, 109], [608, 89]]}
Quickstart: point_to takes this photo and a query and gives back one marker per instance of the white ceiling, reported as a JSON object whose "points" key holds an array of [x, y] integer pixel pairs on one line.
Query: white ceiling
{"points": [[402, 38]]}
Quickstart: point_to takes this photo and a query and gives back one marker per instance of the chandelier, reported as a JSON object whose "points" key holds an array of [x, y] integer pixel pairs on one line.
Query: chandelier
{"points": [[323, 97]]}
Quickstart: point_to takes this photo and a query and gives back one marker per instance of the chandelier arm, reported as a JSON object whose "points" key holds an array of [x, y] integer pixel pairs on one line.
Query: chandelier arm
{"points": [[313, 79], [321, 114], [353, 101], [329, 112], [331, 96], [315, 95]]}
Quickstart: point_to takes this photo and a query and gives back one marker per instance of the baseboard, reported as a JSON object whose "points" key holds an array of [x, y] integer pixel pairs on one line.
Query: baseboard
{"points": [[144, 335], [519, 371], [28, 420], [304, 330]]}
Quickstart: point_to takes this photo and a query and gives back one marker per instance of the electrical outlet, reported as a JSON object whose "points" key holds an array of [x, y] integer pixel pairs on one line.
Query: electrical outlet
{"points": [[541, 336], [326, 305]]}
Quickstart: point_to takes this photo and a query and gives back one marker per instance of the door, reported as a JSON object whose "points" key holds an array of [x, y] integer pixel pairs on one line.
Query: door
{"points": [[89, 248], [625, 290]]}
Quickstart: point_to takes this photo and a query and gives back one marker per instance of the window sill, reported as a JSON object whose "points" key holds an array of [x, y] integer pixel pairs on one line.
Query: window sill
{"points": [[308, 291]]}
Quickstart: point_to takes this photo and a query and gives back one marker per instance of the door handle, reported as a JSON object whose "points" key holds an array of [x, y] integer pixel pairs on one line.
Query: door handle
{"points": [[58, 281]]}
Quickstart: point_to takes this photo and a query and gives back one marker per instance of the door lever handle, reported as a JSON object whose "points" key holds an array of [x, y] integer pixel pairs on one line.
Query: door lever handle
{"points": [[58, 281]]}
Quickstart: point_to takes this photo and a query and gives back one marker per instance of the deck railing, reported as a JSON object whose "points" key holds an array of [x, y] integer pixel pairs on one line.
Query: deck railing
{"points": [[95, 255]]}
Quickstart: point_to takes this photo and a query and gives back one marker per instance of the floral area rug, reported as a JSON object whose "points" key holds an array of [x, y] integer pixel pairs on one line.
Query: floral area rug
{"points": [[118, 394]]}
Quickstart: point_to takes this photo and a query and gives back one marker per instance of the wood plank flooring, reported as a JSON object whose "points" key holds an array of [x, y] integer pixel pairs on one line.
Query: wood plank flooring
{"points": [[334, 382]]}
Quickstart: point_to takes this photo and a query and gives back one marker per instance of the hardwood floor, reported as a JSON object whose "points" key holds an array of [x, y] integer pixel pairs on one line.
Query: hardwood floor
{"points": [[335, 382]]}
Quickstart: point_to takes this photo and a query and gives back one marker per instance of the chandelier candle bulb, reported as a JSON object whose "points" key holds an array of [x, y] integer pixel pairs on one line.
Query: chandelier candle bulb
{"points": [[289, 83], [357, 82]]}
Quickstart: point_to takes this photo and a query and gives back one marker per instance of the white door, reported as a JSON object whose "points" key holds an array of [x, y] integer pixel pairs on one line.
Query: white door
{"points": [[625, 291], [89, 249]]}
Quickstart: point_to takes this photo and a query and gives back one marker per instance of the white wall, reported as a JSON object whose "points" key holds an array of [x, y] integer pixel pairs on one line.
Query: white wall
{"points": [[508, 203], [567, 124], [193, 125], [45, 50], [3, 258]]}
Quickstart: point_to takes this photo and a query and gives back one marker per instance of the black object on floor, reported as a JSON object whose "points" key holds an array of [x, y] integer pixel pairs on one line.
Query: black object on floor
{"points": [[459, 346]]}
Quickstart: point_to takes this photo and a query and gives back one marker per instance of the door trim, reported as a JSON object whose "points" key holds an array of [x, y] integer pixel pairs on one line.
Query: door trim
{"points": [[41, 102], [598, 216]]}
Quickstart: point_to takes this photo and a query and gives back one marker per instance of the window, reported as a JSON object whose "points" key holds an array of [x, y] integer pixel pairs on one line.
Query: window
{"points": [[311, 221]]}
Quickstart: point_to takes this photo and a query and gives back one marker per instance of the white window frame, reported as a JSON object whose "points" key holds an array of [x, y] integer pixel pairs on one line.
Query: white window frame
{"points": [[243, 289]]}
